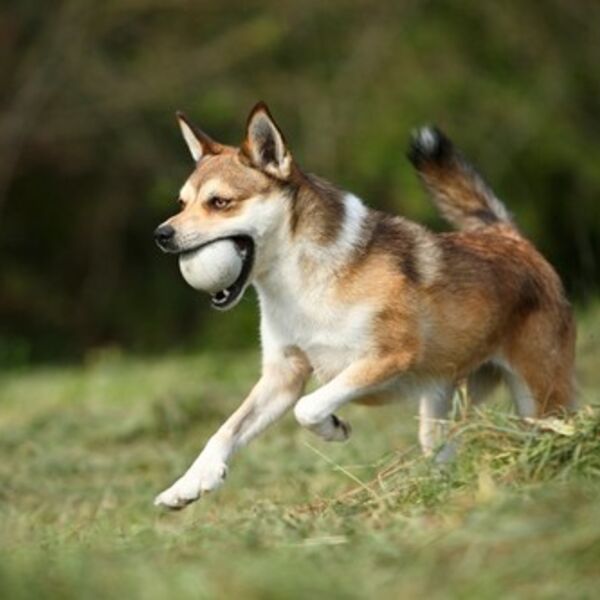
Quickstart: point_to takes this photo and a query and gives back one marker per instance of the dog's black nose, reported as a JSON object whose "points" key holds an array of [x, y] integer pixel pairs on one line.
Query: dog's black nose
{"points": [[163, 234]]}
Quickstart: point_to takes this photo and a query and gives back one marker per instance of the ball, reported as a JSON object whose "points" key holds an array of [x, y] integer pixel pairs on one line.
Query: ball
{"points": [[213, 267]]}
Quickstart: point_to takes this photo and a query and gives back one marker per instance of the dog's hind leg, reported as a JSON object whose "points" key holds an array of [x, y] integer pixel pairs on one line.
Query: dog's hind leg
{"points": [[482, 382], [434, 409], [539, 364]]}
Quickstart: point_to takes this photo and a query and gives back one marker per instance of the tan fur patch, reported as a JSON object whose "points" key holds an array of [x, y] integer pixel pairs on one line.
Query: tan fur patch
{"points": [[224, 175], [317, 208]]}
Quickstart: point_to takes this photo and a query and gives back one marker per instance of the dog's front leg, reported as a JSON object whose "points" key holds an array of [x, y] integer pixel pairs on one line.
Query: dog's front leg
{"points": [[315, 411], [277, 390]]}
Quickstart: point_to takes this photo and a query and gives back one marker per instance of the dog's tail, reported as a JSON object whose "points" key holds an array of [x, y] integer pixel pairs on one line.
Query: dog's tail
{"points": [[458, 191]]}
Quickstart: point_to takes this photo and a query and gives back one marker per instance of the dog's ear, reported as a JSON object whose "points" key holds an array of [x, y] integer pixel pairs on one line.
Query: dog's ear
{"points": [[265, 145], [197, 141]]}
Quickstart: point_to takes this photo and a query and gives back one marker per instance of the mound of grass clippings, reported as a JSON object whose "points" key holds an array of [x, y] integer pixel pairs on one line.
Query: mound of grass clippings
{"points": [[492, 449]]}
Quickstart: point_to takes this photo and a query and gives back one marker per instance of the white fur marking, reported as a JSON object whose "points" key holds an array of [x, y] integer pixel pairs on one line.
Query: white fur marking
{"points": [[335, 255], [298, 307], [215, 187], [194, 146], [351, 234], [188, 192], [427, 138]]}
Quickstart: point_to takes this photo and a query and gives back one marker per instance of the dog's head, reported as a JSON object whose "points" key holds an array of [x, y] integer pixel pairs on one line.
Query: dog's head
{"points": [[238, 193]]}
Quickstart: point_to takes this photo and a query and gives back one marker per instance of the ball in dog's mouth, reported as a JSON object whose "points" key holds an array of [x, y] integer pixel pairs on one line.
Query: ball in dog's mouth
{"points": [[221, 268], [226, 298]]}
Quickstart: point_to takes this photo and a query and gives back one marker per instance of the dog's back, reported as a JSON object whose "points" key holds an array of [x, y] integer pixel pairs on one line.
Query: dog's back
{"points": [[496, 295]]}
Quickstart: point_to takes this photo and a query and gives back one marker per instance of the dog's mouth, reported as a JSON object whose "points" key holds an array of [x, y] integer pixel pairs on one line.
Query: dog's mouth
{"points": [[228, 297]]}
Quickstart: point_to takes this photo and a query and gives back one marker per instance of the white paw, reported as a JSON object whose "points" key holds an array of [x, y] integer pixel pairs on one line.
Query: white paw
{"points": [[335, 430], [192, 485]]}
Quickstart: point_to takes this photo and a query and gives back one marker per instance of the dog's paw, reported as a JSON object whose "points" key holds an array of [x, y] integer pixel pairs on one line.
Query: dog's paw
{"points": [[192, 485], [336, 430], [330, 428]]}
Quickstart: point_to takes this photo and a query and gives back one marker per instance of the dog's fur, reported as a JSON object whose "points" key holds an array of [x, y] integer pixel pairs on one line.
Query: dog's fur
{"points": [[374, 305]]}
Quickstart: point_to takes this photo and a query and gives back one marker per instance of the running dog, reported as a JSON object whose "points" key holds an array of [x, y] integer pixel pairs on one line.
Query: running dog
{"points": [[374, 305]]}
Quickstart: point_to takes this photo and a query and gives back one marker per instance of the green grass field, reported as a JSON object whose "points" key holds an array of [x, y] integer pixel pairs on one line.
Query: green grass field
{"points": [[84, 450]]}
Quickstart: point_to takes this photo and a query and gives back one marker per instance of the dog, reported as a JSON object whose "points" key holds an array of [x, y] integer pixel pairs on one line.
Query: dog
{"points": [[374, 305]]}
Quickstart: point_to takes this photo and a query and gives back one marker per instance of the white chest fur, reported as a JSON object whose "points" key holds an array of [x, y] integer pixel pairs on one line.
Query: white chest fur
{"points": [[330, 334], [300, 307]]}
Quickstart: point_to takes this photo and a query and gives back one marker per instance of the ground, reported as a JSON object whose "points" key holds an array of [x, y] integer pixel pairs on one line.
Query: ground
{"points": [[85, 449]]}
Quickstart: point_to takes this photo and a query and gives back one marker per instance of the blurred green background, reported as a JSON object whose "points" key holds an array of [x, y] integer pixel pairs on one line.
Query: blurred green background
{"points": [[91, 158]]}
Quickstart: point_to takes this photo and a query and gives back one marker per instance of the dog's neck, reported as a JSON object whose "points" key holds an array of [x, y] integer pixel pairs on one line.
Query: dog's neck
{"points": [[317, 209], [323, 229]]}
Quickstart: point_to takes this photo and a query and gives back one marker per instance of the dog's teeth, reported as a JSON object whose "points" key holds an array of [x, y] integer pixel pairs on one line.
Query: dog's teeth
{"points": [[221, 297]]}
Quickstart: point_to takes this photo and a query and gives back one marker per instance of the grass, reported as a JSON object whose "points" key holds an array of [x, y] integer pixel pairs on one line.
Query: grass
{"points": [[83, 450]]}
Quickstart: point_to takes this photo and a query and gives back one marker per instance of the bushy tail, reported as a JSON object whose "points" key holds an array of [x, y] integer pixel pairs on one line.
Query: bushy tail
{"points": [[458, 191]]}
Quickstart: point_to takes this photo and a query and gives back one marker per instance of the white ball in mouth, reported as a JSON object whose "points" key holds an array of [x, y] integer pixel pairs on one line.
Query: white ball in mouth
{"points": [[213, 267]]}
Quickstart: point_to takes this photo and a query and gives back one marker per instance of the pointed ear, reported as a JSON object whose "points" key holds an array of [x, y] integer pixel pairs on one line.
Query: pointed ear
{"points": [[265, 145], [197, 141]]}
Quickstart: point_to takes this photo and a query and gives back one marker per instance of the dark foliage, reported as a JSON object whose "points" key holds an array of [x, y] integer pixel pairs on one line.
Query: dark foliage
{"points": [[91, 160]]}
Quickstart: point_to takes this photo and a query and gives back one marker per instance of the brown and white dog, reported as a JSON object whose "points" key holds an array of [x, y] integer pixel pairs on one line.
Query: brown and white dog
{"points": [[374, 305]]}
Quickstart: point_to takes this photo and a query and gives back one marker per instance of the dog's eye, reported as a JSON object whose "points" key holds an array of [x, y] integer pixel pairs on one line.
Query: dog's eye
{"points": [[180, 202], [218, 202]]}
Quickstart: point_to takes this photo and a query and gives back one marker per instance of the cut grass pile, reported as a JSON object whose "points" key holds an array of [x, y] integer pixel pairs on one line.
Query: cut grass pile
{"points": [[496, 450]]}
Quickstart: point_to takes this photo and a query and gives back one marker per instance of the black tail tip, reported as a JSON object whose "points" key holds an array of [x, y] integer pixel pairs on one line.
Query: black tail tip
{"points": [[429, 144]]}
